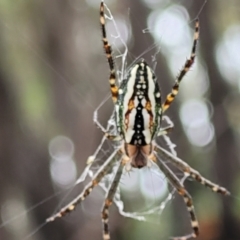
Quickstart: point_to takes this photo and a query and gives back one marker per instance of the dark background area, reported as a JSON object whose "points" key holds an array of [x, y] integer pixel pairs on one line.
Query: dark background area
{"points": [[54, 74]]}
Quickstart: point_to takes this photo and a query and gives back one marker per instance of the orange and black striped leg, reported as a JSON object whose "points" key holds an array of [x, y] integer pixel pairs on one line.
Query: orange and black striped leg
{"points": [[174, 181], [108, 201], [104, 170], [180, 164], [171, 96], [108, 51]]}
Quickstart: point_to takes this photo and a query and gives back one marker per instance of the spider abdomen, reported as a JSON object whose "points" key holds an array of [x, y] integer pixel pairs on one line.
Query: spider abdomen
{"points": [[138, 108]]}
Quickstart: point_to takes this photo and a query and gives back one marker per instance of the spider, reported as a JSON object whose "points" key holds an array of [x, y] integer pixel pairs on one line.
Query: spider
{"points": [[138, 115]]}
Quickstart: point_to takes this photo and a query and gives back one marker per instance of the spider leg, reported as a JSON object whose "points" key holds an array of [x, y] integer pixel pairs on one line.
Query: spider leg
{"points": [[180, 164], [109, 199], [167, 129], [164, 131], [105, 131], [103, 170], [108, 51], [186, 196], [189, 62]]}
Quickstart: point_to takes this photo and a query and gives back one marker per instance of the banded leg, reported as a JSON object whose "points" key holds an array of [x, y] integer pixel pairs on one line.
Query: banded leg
{"points": [[108, 51], [108, 201], [186, 196], [180, 164], [171, 96], [104, 170]]}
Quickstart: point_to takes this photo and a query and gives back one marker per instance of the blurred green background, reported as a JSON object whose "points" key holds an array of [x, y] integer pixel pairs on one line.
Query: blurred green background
{"points": [[54, 74]]}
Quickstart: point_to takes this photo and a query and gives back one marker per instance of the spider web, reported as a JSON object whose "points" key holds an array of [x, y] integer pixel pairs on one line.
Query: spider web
{"points": [[95, 159], [105, 147]]}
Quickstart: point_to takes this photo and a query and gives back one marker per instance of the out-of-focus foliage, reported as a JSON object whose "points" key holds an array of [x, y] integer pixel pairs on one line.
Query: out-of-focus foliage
{"points": [[53, 75]]}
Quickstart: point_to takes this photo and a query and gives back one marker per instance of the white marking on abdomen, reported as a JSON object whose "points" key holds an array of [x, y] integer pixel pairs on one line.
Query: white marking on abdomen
{"points": [[146, 119], [151, 90], [129, 131]]}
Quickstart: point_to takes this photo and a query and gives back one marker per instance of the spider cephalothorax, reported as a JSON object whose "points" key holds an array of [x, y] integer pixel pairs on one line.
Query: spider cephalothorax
{"points": [[138, 156], [139, 112]]}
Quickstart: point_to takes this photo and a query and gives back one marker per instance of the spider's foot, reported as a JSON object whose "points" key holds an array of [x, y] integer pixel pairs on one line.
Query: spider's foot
{"points": [[223, 191], [218, 189]]}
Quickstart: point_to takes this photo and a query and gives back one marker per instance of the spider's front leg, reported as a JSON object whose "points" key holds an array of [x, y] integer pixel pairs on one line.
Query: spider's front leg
{"points": [[108, 52], [171, 96], [174, 181]]}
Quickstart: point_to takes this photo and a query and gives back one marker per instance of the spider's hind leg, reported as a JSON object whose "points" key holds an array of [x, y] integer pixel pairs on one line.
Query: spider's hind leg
{"points": [[108, 200], [174, 181], [103, 171], [180, 164]]}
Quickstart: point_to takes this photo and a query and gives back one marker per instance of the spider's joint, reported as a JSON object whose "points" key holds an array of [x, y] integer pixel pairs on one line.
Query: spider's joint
{"points": [[191, 208], [90, 160], [182, 192], [106, 236], [194, 224], [149, 164], [188, 200], [108, 202]]}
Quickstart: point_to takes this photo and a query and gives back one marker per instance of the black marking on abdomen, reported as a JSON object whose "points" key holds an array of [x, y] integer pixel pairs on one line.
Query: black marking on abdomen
{"points": [[141, 92]]}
